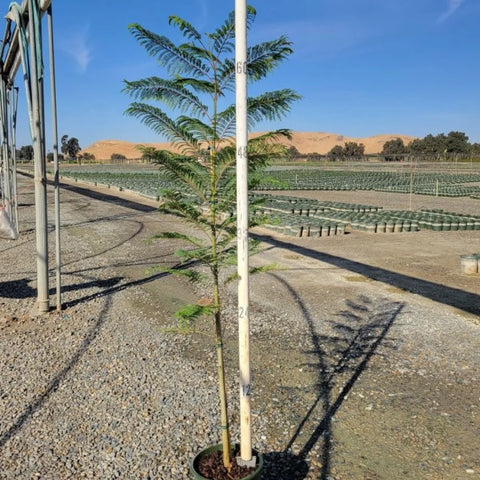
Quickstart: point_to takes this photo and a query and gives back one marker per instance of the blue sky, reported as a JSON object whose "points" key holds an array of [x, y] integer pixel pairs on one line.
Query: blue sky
{"points": [[363, 67]]}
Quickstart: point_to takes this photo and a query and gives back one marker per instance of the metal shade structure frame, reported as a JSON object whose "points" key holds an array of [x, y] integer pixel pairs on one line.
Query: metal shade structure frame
{"points": [[22, 46]]}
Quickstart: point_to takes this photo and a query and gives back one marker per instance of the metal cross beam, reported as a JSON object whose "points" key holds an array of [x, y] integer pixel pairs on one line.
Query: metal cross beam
{"points": [[10, 43]]}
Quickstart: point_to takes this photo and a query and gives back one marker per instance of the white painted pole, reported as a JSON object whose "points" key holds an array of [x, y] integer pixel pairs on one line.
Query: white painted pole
{"points": [[242, 227], [40, 177]]}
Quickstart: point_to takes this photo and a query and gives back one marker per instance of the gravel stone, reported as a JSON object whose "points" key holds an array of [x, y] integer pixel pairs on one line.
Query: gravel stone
{"points": [[352, 378]]}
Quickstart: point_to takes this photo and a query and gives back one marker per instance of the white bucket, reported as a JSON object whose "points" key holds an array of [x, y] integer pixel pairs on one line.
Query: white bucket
{"points": [[469, 264]]}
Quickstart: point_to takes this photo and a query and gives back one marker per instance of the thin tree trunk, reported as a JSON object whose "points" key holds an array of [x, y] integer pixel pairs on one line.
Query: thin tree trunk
{"points": [[222, 391]]}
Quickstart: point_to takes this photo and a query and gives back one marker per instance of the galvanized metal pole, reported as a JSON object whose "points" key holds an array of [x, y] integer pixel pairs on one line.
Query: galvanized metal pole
{"points": [[58, 260], [13, 109], [7, 167], [242, 228], [38, 135]]}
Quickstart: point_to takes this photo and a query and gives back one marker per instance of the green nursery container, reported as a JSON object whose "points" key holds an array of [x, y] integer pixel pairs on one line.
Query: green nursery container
{"points": [[194, 463]]}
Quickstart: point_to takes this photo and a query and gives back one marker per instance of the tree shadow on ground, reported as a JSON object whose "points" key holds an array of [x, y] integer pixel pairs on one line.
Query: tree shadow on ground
{"points": [[338, 358]]}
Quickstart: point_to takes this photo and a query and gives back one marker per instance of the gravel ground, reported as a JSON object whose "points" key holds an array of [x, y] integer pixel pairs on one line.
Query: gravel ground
{"points": [[364, 351]]}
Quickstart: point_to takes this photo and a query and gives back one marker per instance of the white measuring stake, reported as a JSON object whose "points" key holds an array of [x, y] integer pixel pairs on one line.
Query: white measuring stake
{"points": [[242, 230]]}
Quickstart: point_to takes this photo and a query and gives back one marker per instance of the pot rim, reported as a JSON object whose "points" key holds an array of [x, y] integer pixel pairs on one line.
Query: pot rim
{"points": [[218, 446]]}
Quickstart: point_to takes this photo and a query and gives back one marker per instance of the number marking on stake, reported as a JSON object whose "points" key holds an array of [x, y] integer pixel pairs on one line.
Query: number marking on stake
{"points": [[242, 152], [247, 390], [242, 233], [242, 67]]}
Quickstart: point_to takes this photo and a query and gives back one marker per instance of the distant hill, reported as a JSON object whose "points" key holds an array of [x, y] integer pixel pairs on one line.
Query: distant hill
{"points": [[322, 143], [104, 149], [304, 142]]}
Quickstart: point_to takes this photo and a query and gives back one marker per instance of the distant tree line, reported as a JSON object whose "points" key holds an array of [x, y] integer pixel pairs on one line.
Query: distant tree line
{"points": [[70, 148], [349, 150], [453, 143], [436, 147], [70, 151]]}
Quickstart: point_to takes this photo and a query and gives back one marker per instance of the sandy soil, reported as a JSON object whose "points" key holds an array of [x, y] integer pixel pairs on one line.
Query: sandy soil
{"points": [[379, 378]]}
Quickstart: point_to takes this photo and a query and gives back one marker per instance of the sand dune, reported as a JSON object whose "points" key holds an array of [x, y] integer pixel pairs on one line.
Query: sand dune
{"points": [[322, 143], [304, 142]]}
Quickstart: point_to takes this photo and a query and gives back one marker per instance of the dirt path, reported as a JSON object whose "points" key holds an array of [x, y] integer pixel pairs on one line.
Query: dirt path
{"points": [[365, 347], [392, 374]]}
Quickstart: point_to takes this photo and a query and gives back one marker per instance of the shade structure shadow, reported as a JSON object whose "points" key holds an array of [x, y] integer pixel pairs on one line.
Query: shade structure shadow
{"points": [[103, 285], [104, 197], [22, 290], [110, 248], [338, 358], [17, 289], [455, 297], [116, 285]]}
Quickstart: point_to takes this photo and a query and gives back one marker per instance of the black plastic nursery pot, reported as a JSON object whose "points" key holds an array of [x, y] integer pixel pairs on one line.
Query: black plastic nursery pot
{"points": [[213, 448]]}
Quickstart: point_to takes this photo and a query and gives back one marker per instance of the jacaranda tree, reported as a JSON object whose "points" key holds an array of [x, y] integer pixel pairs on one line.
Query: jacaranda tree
{"points": [[197, 84]]}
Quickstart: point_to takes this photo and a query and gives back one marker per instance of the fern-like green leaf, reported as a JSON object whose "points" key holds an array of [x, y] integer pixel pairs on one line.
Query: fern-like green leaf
{"points": [[187, 29], [160, 123], [189, 314], [171, 92], [167, 53], [223, 37]]}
